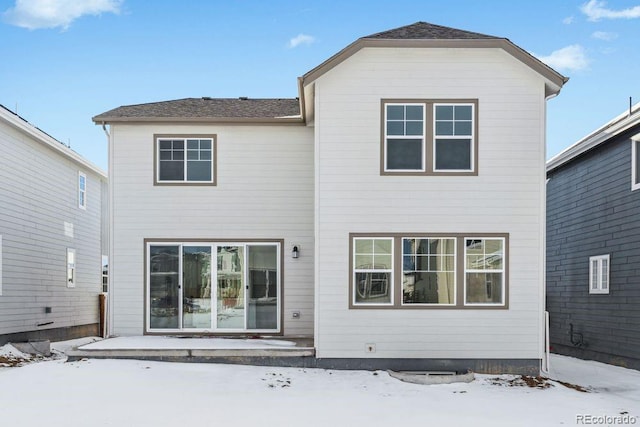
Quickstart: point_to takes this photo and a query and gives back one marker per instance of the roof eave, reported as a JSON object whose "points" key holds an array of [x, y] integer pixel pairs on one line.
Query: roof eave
{"points": [[47, 140], [605, 133], [292, 120], [555, 79]]}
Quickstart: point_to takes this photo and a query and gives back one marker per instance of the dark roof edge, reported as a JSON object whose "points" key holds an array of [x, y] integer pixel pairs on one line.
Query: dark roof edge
{"points": [[557, 79], [610, 130], [289, 120]]}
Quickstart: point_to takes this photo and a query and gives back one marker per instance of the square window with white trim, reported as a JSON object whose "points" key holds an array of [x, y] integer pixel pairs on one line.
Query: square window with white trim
{"points": [[484, 271], [599, 274]]}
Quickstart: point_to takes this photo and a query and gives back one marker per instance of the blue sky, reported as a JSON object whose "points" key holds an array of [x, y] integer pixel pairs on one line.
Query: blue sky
{"points": [[64, 61]]}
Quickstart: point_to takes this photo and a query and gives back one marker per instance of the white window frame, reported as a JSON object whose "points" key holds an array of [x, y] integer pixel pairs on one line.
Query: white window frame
{"points": [[71, 270], [82, 190], [214, 245], [390, 271], [414, 137], [185, 159], [502, 270], [105, 286], [471, 138], [599, 284], [635, 146]]}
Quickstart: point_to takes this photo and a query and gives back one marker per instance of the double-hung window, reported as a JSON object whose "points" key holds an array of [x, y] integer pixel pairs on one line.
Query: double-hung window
{"points": [[404, 137], [404, 271], [185, 160], [484, 271], [429, 137], [599, 274], [635, 162], [82, 190], [372, 271]]}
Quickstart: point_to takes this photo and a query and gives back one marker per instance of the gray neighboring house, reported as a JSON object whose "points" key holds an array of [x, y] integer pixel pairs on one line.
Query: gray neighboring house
{"points": [[52, 236], [593, 244]]}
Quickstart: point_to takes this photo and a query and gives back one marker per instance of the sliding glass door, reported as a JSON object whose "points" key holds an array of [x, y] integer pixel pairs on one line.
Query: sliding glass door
{"points": [[230, 306], [180, 293]]}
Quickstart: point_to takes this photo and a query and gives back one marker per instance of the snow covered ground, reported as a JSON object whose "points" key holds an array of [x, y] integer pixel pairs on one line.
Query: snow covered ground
{"points": [[139, 393]]}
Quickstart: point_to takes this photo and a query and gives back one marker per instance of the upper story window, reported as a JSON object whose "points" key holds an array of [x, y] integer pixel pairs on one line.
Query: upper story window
{"points": [[599, 274], [185, 160], [429, 137], [82, 190], [635, 162]]}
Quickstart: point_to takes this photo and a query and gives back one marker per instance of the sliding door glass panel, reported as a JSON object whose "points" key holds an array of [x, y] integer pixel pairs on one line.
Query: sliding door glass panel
{"points": [[164, 287], [230, 288], [196, 287], [263, 287]]}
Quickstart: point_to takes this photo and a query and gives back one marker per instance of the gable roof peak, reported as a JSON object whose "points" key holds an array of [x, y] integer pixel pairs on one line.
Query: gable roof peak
{"points": [[426, 30]]}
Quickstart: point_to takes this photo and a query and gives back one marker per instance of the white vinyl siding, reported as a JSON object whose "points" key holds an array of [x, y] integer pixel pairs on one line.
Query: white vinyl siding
{"points": [[42, 197], [257, 201], [599, 274], [507, 196]]}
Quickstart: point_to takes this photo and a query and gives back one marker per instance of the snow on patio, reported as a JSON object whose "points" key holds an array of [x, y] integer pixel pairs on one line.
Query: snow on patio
{"points": [[173, 343], [139, 393]]}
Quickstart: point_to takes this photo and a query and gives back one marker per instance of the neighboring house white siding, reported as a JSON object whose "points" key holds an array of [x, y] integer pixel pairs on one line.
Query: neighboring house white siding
{"points": [[264, 190], [507, 196], [39, 219]]}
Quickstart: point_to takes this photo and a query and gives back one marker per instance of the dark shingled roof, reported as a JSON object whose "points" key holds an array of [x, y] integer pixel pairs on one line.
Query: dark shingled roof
{"points": [[206, 108], [425, 30]]}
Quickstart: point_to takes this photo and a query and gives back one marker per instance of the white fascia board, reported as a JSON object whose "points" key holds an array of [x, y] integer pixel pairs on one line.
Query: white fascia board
{"points": [[28, 129]]}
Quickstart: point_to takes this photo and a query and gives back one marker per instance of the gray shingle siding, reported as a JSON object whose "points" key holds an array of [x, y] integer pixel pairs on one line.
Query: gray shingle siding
{"points": [[591, 210]]}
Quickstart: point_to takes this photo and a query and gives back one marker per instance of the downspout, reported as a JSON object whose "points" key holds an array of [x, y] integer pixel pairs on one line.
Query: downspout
{"points": [[546, 362], [108, 310]]}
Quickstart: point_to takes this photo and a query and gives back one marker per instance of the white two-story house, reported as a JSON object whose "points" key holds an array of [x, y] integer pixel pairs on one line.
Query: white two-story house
{"points": [[394, 211], [53, 236]]}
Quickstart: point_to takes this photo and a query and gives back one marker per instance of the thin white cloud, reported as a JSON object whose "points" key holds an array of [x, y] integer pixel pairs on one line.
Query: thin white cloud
{"points": [[597, 10], [603, 35], [568, 20], [570, 58], [301, 39], [36, 14]]}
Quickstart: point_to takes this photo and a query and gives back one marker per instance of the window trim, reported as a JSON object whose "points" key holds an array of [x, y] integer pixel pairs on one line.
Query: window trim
{"points": [[390, 271], [598, 288], [82, 201], [635, 148], [459, 272], [429, 137], [422, 137], [156, 159], [503, 271], [73, 266]]}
